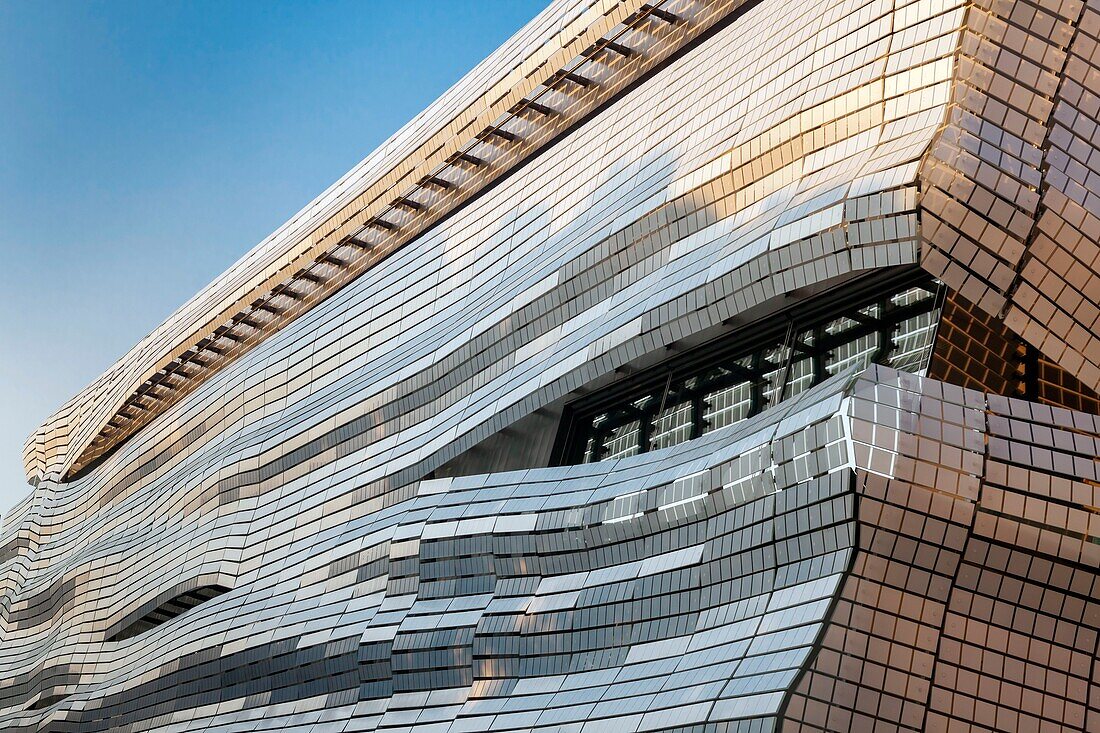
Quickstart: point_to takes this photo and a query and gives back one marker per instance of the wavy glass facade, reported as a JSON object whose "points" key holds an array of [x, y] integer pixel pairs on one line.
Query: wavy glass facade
{"points": [[694, 366]]}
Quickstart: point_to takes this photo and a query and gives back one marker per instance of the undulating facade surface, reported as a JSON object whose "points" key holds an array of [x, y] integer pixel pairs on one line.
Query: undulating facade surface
{"points": [[694, 366]]}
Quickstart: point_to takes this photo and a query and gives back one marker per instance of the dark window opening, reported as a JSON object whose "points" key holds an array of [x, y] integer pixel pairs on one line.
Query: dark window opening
{"points": [[169, 610], [47, 700], [743, 373]]}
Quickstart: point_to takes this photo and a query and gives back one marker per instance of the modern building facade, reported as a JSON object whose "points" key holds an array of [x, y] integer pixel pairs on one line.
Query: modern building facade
{"points": [[689, 366]]}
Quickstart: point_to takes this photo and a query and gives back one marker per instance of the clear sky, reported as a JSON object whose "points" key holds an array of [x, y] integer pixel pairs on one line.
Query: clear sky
{"points": [[145, 146]]}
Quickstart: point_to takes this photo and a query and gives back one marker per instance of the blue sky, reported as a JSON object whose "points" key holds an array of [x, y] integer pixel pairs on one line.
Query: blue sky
{"points": [[144, 147]]}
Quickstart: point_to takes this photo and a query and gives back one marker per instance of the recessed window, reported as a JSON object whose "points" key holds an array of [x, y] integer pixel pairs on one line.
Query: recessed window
{"points": [[168, 610], [739, 375], [47, 700]]}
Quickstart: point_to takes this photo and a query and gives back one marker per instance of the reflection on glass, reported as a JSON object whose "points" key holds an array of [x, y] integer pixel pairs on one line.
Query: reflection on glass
{"points": [[704, 392]]}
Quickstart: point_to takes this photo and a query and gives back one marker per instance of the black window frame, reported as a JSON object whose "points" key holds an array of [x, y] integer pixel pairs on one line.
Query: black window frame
{"points": [[784, 329]]}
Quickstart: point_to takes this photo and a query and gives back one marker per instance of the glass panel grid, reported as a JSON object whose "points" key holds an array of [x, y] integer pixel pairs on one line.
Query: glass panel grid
{"points": [[622, 441], [673, 426], [913, 343], [894, 327], [860, 351], [727, 405]]}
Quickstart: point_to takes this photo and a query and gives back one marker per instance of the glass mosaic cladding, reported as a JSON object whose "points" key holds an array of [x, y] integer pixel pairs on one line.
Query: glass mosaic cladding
{"points": [[690, 365]]}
